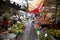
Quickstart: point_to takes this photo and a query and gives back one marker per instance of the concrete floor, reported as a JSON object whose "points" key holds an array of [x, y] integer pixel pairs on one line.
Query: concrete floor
{"points": [[31, 36]]}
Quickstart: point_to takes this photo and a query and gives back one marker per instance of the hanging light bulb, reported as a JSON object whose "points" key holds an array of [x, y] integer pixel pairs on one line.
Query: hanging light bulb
{"points": [[16, 4], [12, 2]]}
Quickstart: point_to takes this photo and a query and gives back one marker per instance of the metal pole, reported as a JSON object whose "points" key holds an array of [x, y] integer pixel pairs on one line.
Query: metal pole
{"points": [[27, 3], [56, 11]]}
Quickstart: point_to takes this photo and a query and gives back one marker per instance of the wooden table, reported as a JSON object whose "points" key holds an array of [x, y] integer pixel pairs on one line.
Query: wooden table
{"points": [[4, 32]]}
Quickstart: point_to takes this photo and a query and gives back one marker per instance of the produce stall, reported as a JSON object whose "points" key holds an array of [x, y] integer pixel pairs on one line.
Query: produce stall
{"points": [[56, 34], [47, 33], [17, 28]]}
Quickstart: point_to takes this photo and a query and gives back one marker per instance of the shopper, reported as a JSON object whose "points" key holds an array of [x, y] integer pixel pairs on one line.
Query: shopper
{"points": [[5, 23]]}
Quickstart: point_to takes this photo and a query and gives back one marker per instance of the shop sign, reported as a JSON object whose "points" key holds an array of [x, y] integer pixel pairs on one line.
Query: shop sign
{"points": [[49, 15]]}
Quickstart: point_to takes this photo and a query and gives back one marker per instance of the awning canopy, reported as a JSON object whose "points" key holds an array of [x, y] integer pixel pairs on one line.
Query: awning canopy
{"points": [[35, 5], [8, 3]]}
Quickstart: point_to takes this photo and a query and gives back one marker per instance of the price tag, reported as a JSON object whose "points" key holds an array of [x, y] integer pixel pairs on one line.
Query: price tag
{"points": [[46, 35], [38, 32]]}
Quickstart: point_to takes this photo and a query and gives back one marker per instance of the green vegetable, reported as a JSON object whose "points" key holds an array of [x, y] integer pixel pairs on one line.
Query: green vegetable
{"points": [[17, 28]]}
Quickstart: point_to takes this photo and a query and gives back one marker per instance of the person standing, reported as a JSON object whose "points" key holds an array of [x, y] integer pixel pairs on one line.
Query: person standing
{"points": [[5, 23]]}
